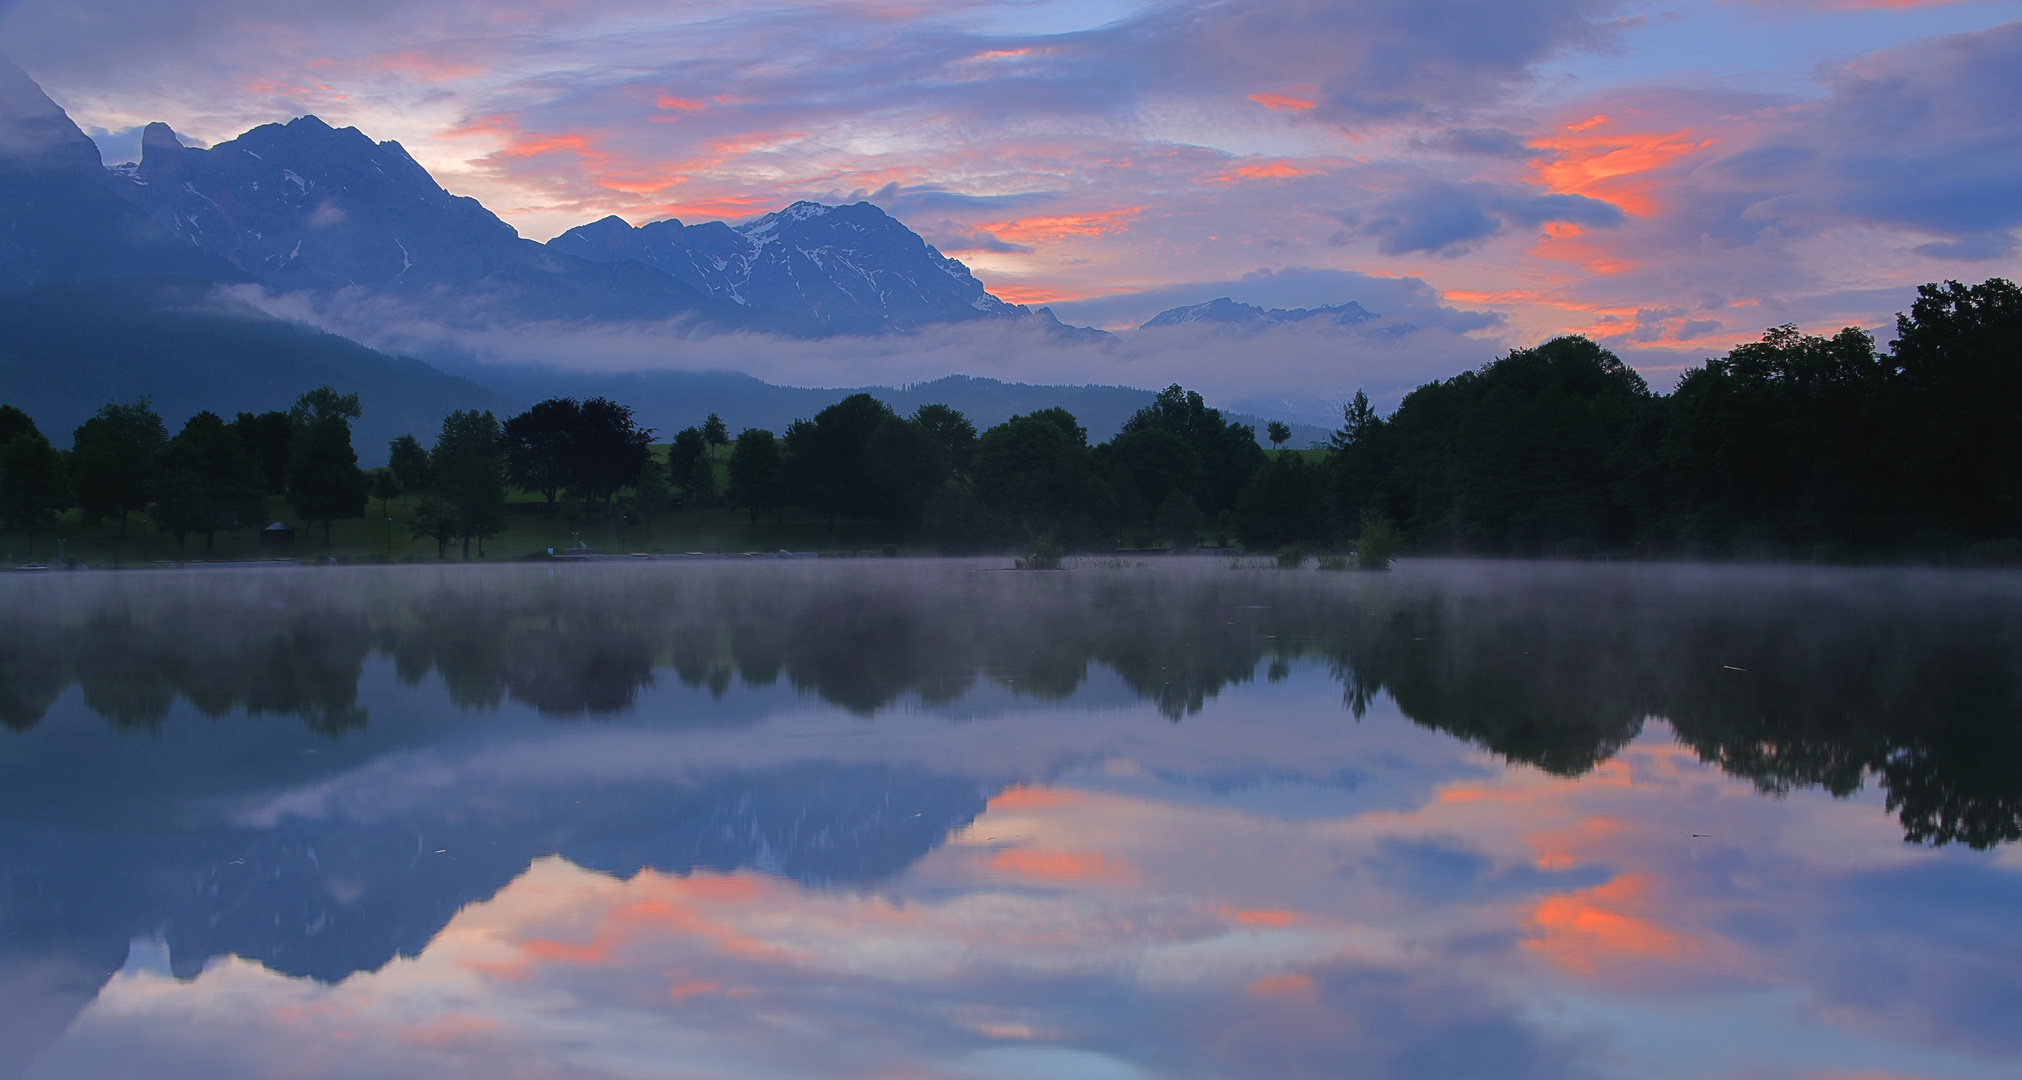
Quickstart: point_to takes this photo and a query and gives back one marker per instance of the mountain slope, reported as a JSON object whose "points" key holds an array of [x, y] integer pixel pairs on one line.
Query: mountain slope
{"points": [[854, 267], [58, 220], [68, 348], [304, 206]]}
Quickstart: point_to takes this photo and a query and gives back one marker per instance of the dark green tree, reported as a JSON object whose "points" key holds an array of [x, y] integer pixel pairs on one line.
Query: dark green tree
{"points": [[1037, 473], [265, 437], [715, 434], [689, 446], [1952, 438], [952, 433], [1279, 433], [1144, 468], [1519, 456], [14, 422], [828, 459], [469, 469], [757, 473], [1282, 504], [114, 458], [33, 487], [1775, 443], [1227, 453], [540, 447], [407, 461], [324, 481], [606, 451], [208, 482]]}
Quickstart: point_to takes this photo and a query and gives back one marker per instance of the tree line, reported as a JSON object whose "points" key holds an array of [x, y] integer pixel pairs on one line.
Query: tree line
{"points": [[1793, 445]]}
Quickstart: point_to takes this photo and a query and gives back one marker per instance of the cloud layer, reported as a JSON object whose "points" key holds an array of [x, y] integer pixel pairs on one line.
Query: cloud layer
{"points": [[1568, 165]]}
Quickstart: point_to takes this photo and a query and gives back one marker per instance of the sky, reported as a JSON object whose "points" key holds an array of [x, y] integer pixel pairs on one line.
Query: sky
{"points": [[1669, 178]]}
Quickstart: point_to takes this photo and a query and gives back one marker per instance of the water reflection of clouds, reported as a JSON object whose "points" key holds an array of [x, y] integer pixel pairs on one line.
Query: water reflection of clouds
{"points": [[1116, 916]]}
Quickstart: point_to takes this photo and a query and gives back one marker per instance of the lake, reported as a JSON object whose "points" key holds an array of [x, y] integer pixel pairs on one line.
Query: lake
{"points": [[917, 818]]}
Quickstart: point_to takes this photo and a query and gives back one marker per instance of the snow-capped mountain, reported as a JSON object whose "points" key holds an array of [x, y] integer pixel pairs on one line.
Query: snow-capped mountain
{"points": [[304, 206], [852, 267], [58, 222], [1251, 317]]}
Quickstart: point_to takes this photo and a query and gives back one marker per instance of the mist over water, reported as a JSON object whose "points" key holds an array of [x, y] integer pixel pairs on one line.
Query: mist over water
{"points": [[856, 817]]}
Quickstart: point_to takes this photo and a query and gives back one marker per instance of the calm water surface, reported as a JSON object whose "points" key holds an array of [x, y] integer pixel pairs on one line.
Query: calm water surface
{"points": [[911, 819]]}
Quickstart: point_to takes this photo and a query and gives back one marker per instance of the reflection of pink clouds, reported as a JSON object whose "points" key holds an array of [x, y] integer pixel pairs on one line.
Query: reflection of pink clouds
{"points": [[1061, 866], [1584, 929]]}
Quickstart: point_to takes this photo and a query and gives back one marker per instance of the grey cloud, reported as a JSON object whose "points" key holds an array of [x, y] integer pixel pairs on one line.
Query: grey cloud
{"points": [[1370, 59], [952, 236], [1481, 142], [1446, 219]]}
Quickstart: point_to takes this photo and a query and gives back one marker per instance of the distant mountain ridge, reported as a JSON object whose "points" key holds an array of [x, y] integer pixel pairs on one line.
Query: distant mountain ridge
{"points": [[1251, 317], [852, 267]]}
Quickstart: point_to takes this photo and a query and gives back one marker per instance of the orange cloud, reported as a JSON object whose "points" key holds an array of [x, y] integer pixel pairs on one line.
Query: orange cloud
{"points": [[1263, 170], [1036, 294], [1272, 918], [1281, 102], [682, 104], [1059, 865], [1583, 930], [1614, 166], [1296, 984], [1028, 797], [667, 906], [1035, 230]]}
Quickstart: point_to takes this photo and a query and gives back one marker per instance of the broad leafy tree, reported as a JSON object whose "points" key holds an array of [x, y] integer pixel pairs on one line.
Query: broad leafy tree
{"points": [[208, 482], [757, 473], [607, 451], [407, 461], [324, 481], [265, 437], [469, 472], [114, 459], [539, 447], [829, 467], [1037, 473], [33, 484]]}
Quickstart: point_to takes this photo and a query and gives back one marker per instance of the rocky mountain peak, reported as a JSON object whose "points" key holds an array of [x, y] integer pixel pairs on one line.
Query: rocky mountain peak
{"points": [[35, 133]]}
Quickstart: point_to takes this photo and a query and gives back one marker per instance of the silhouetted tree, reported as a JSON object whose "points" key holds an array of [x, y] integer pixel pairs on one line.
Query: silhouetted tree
{"points": [[265, 437], [757, 473], [715, 434], [540, 447], [33, 487], [607, 450], [1038, 473], [952, 433], [407, 460], [828, 465], [208, 482], [324, 481], [689, 447], [114, 457], [469, 472], [1279, 432]]}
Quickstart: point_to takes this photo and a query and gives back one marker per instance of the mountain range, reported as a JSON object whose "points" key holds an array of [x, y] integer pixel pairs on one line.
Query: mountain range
{"points": [[328, 216], [1251, 317]]}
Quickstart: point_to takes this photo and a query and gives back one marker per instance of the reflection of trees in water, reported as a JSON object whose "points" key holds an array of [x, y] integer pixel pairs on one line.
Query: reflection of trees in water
{"points": [[1789, 682]]}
